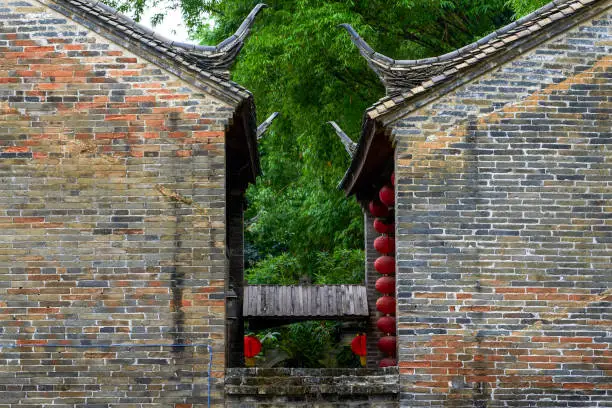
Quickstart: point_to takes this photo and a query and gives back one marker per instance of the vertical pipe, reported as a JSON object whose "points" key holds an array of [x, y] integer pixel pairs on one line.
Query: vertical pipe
{"points": [[210, 358]]}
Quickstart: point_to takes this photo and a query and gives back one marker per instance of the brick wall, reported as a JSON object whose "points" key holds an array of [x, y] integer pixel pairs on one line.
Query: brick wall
{"points": [[504, 248], [112, 223]]}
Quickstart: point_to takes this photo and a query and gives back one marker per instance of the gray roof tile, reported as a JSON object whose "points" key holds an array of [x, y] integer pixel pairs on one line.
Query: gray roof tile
{"points": [[408, 79], [399, 75]]}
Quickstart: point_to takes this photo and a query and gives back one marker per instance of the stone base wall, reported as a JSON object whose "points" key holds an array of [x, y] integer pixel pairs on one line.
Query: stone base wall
{"points": [[322, 388]]}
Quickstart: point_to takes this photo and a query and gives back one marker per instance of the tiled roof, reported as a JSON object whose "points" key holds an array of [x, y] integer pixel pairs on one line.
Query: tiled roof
{"points": [[209, 63], [405, 79]]}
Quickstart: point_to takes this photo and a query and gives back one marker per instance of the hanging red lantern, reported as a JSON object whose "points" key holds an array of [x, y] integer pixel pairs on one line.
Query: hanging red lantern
{"points": [[393, 178], [252, 347], [385, 265], [387, 195], [359, 347], [387, 362], [383, 228], [384, 244], [388, 345], [386, 305], [386, 324], [385, 285], [378, 209]]}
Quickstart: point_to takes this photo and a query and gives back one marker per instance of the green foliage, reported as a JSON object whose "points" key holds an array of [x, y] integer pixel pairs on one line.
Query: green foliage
{"points": [[278, 270], [343, 266], [309, 344], [524, 7], [297, 61]]}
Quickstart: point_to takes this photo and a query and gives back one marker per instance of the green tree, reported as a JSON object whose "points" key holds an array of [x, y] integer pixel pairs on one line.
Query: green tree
{"points": [[524, 7], [298, 62]]}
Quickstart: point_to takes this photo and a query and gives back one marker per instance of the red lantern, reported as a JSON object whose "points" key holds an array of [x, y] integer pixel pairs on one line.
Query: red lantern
{"points": [[386, 324], [388, 345], [387, 362], [359, 347], [385, 265], [385, 285], [393, 178], [387, 195], [252, 347], [384, 245], [386, 305], [378, 209], [381, 227]]}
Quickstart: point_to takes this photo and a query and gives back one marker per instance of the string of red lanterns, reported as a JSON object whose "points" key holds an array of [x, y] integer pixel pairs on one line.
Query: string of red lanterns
{"points": [[385, 265]]}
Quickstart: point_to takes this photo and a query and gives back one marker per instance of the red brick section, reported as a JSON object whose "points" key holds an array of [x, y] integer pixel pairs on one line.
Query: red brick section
{"points": [[112, 223], [504, 246]]}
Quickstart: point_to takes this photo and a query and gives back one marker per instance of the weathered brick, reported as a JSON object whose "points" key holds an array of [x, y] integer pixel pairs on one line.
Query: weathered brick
{"points": [[93, 252], [501, 195]]}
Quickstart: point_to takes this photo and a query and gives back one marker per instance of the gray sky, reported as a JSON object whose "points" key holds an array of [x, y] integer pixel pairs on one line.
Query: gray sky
{"points": [[172, 27]]}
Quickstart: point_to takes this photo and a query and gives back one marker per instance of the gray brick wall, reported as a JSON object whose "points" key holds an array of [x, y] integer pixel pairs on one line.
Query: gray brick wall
{"points": [[503, 222], [112, 220]]}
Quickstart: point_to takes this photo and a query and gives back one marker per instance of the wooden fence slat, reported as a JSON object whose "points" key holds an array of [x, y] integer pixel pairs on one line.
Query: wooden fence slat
{"points": [[324, 301], [331, 301]]}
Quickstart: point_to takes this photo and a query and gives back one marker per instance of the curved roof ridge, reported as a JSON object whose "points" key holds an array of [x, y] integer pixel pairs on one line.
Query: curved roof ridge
{"points": [[417, 82], [398, 75], [237, 38], [263, 127], [348, 143], [213, 62]]}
